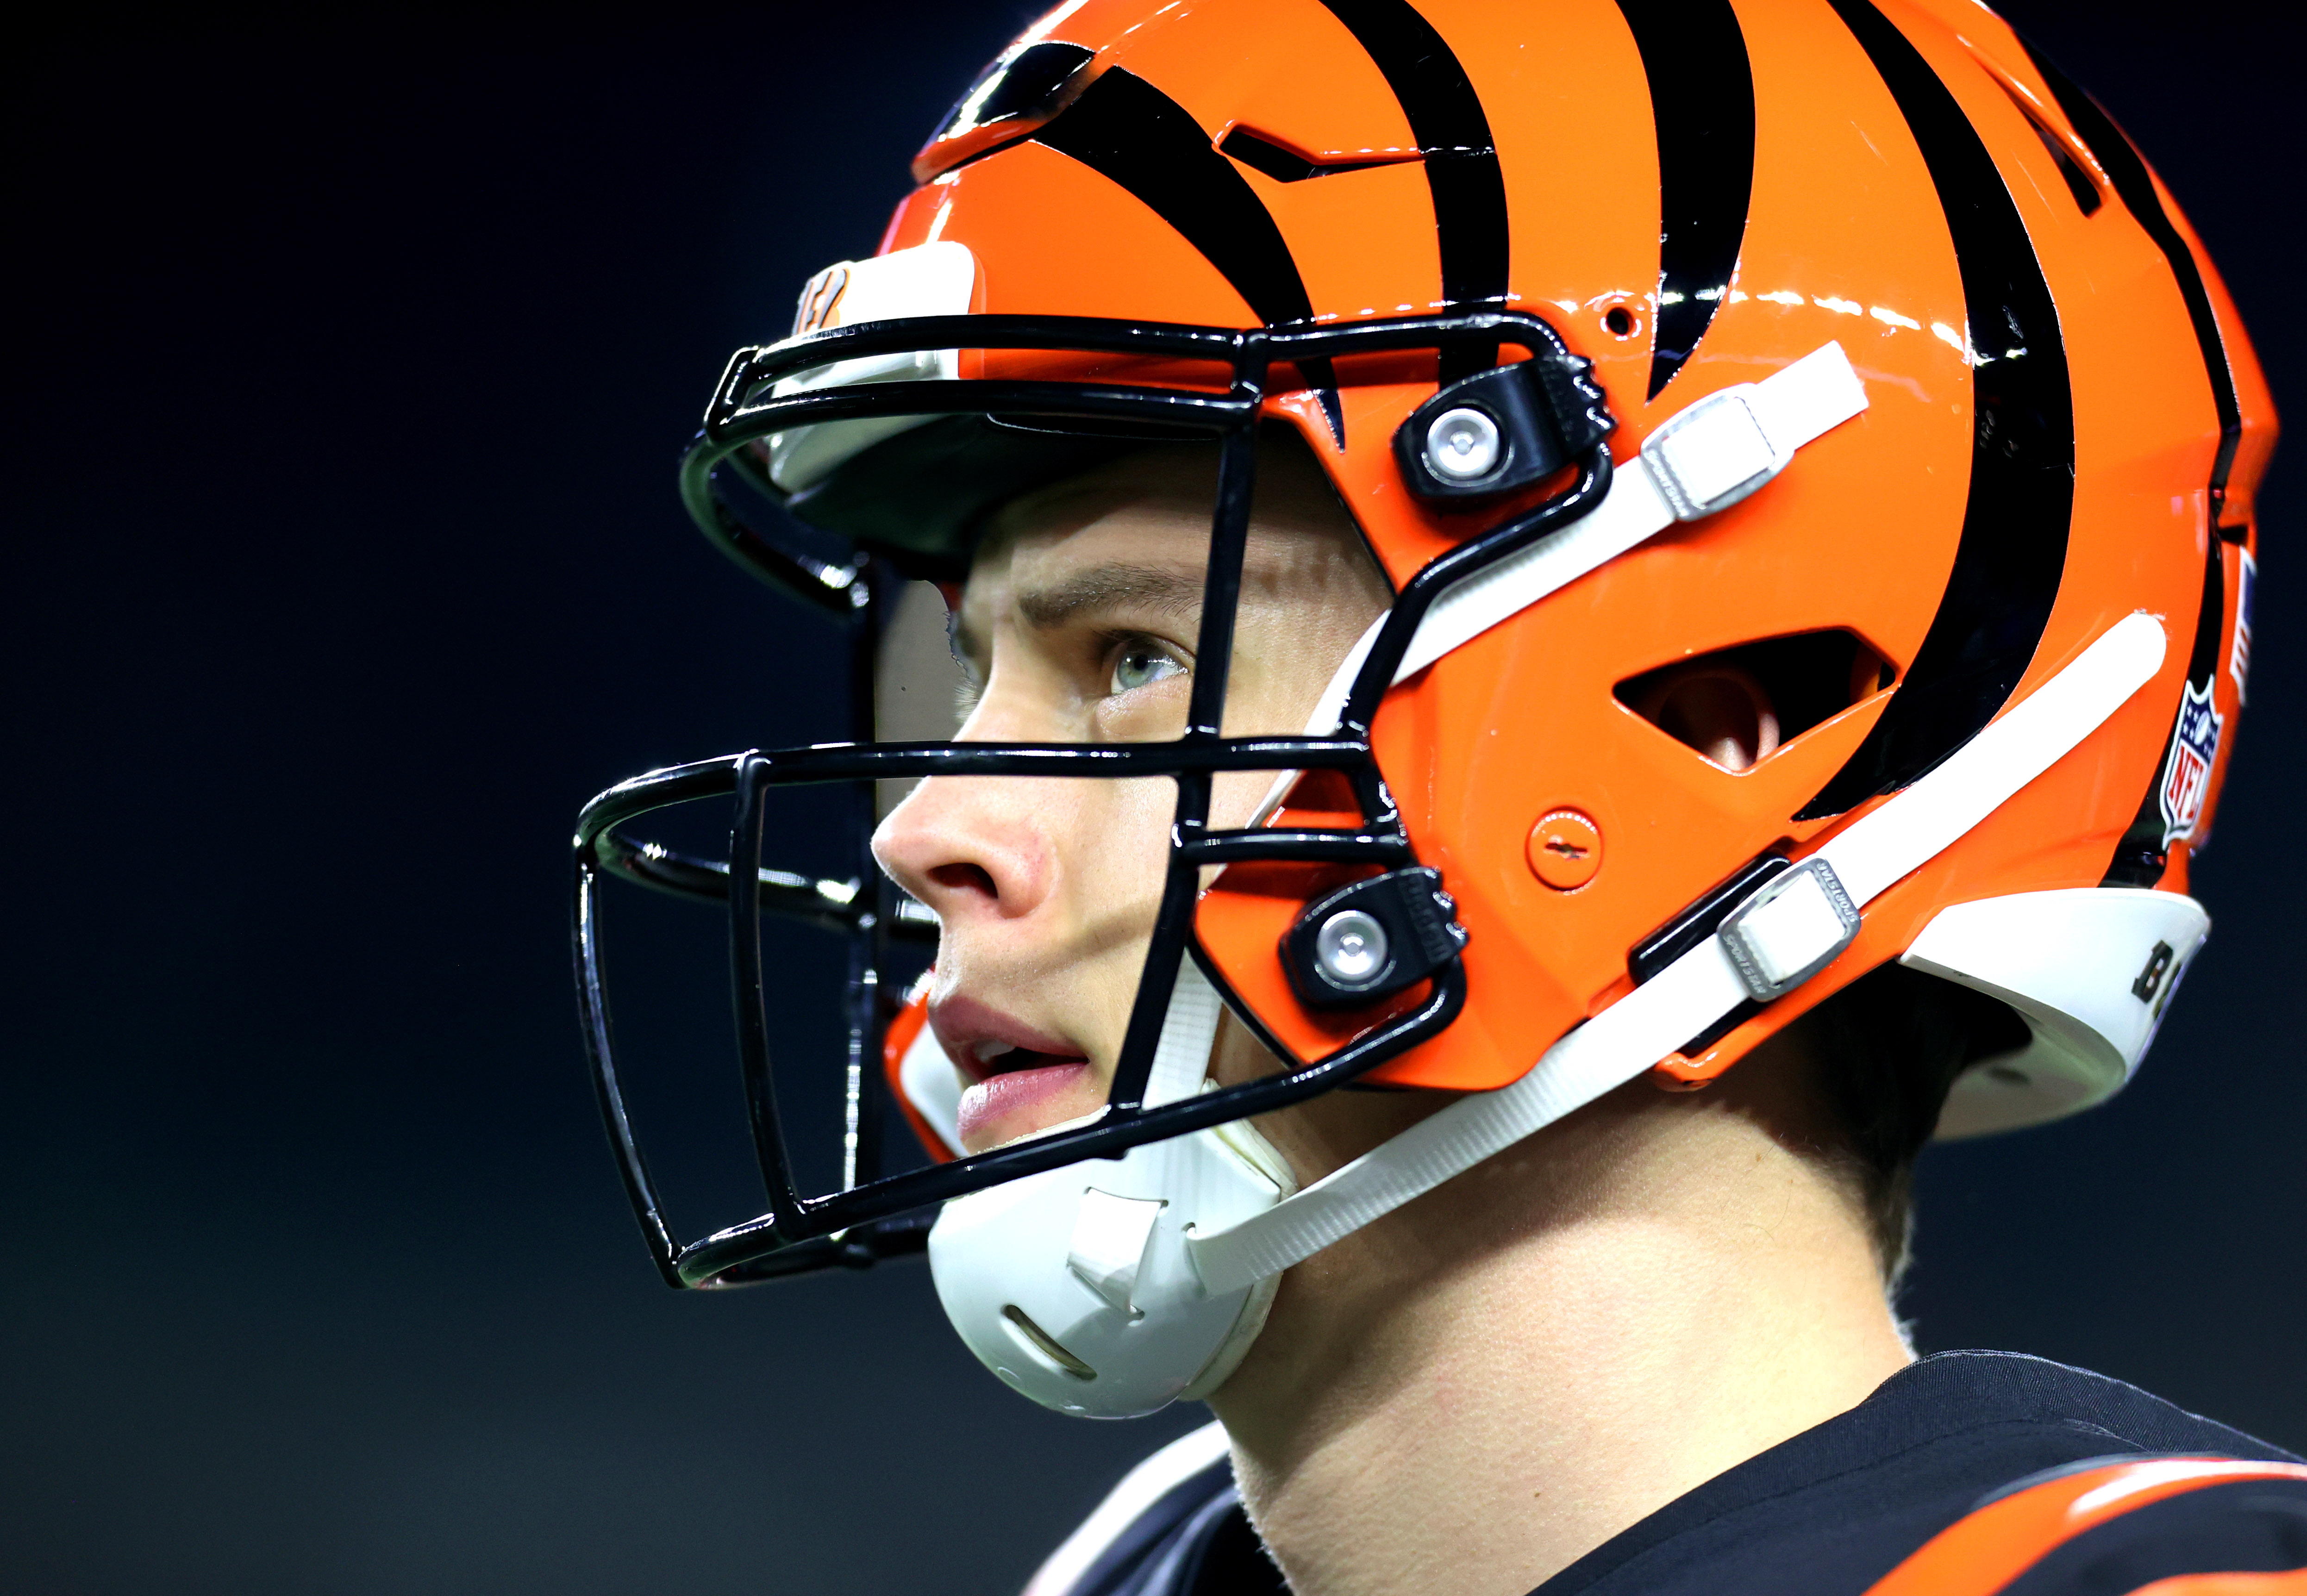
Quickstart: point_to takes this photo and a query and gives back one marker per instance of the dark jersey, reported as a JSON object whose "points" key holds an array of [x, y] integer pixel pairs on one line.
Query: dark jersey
{"points": [[1835, 1510]]}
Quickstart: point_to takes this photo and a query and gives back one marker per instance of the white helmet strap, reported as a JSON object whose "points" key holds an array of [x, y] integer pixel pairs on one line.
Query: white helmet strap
{"points": [[1793, 926], [1707, 457]]}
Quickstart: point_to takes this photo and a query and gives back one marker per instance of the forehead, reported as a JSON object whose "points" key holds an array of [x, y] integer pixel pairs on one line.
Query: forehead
{"points": [[1152, 506], [1152, 511]]}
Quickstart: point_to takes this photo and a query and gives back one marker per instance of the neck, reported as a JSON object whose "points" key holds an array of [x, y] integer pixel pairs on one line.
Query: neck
{"points": [[1476, 1391]]}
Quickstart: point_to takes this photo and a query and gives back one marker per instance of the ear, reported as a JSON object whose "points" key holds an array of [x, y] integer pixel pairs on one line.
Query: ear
{"points": [[1720, 710]]}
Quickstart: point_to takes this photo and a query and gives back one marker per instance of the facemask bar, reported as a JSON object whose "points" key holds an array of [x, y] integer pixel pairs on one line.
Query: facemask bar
{"points": [[876, 1216]]}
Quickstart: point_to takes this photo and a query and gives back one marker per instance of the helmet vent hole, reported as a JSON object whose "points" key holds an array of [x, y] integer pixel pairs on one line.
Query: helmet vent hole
{"points": [[1736, 707], [1721, 711], [1035, 1339], [2079, 180], [1620, 320]]}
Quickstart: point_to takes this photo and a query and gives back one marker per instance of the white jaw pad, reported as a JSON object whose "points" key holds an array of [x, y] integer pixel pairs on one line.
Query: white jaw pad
{"points": [[1657, 1018]]}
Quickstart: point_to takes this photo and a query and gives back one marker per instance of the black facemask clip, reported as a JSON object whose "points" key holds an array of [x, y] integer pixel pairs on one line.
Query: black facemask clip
{"points": [[1502, 429], [1372, 938]]}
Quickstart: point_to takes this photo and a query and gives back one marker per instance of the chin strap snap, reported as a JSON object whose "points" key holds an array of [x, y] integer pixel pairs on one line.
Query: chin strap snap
{"points": [[1787, 931]]}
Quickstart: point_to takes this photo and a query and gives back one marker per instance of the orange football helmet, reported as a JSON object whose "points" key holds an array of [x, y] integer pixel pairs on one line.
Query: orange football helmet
{"points": [[1840, 343]]}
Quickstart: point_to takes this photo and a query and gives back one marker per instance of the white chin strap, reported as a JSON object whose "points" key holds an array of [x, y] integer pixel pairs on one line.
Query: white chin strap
{"points": [[1792, 928], [1112, 1287]]}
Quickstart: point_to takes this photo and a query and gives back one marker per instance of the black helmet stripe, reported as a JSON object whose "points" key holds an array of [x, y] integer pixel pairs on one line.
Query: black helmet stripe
{"points": [[2014, 547], [1452, 132], [1125, 130], [2136, 189], [2141, 858], [1703, 102]]}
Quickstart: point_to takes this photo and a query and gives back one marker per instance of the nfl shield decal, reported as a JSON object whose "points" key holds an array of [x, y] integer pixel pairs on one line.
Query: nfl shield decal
{"points": [[2187, 768]]}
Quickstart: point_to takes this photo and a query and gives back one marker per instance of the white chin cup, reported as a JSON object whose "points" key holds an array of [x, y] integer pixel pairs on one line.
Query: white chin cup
{"points": [[1074, 1286]]}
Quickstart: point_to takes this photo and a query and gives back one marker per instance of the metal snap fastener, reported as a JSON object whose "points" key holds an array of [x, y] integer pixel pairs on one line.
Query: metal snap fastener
{"points": [[1565, 850], [1351, 948], [1461, 445]]}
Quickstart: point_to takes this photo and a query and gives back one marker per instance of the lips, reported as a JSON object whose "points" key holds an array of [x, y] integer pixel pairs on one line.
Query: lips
{"points": [[1022, 1080]]}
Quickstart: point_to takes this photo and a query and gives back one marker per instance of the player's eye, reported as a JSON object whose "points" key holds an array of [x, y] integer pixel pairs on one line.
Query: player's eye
{"points": [[1142, 664]]}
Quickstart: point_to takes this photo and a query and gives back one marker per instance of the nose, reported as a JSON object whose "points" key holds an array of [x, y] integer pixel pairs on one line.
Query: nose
{"points": [[982, 849], [970, 847]]}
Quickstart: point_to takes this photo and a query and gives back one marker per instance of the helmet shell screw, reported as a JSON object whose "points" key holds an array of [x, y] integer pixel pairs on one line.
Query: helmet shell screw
{"points": [[1565, 850], [1462, 445], [1352, 948]]}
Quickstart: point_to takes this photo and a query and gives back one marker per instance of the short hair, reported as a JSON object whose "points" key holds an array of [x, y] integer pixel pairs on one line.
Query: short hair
{"points": [[1888, 1048]]}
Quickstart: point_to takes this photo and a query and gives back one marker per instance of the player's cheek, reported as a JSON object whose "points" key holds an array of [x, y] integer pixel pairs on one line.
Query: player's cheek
{"points": [[1284, 656], [1152, 714], [1118, 854]]}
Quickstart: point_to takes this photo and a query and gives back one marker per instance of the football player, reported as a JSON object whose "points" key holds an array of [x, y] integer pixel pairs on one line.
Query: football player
{"points": [[1583, 624]]}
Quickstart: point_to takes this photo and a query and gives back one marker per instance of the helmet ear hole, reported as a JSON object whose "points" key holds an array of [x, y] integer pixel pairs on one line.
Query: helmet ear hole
{"points": [[1736, 707], [1719, 710]]}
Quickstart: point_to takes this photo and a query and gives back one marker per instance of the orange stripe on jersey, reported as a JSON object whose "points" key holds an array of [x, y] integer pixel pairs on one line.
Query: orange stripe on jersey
{"points": [[2290, 1584], [1986, 1550]]}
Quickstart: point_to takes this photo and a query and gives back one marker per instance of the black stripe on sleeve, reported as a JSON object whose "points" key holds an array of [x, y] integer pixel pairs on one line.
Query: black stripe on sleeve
{"points": [[2014, 547], [1702, 101], [1462, 162], [1128, 131], [2244, 1526]]}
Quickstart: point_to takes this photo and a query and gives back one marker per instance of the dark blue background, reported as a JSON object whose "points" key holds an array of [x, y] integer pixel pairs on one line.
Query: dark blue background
{"points": [[346, 367]]}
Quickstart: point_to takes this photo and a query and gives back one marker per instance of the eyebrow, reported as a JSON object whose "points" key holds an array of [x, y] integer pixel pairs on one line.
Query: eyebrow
{"points": [[1168, 593]]}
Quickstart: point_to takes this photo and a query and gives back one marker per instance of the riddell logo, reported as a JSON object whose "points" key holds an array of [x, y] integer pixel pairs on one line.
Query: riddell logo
{"points": [[2187, 768]]}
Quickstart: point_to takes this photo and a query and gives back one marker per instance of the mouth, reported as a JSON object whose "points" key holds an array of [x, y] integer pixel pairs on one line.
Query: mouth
{"points": [[1019, 1080], [992, 1059]]}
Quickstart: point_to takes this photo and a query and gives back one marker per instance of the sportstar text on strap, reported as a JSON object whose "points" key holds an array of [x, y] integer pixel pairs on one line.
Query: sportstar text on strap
{"points": [[1793, 926]]}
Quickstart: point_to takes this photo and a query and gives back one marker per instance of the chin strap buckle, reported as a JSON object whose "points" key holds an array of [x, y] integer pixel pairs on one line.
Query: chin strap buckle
{"points": [[1788, 928], [1725, 446]]}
